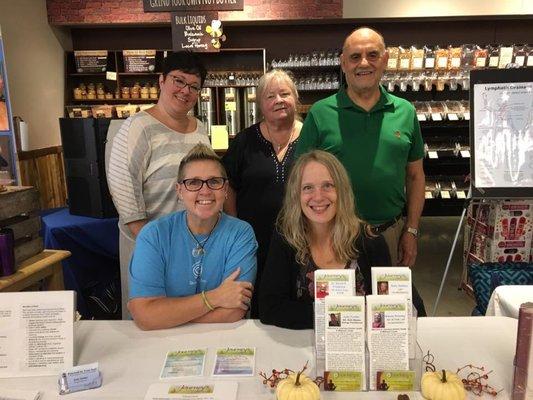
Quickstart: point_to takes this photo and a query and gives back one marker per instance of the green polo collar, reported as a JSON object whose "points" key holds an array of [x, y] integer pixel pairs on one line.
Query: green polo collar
{"points": [[385, 101]]}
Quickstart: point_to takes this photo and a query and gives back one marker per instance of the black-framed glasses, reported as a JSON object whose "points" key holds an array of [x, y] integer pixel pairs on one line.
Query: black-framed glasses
{"points": [[195, 184], [180, 84]]}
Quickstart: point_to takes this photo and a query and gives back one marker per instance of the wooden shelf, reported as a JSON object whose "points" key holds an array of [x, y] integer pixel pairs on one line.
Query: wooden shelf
{"points": [[89, 73], [139, 73], [112, 101]]}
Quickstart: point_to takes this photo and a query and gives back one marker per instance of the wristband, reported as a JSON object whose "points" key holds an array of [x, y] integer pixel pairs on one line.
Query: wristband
{"points": [[206, 302]]}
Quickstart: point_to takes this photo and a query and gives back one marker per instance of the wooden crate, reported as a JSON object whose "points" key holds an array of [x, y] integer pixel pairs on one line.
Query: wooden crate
{"points": [[19, 207]]}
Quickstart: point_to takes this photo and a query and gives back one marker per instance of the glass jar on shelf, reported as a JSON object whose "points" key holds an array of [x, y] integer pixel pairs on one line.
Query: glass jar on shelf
{"points": [[453, 79], [519, 54], [417, 78], [394, 53], [404, 58], [529, 56], [481, 56], [429, 79], [468, 56], [417, 58], [442, 80], [494, 55], [441, 59], [404, 79], [429, 57], [454, 57]]}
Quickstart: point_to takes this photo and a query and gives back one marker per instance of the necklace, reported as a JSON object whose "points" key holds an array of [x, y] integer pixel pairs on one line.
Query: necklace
{"points": [[278, 146], [199, 250]]}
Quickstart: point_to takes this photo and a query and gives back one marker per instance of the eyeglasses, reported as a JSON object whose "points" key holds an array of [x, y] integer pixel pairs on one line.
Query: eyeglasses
{"points": [[195, 184], [180, 84]]}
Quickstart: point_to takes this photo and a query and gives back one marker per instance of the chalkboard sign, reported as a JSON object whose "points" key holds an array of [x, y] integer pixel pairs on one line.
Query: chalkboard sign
{"points": [[139, 60], [192, 5], [91, 61], [501, 135], [189, 31]]}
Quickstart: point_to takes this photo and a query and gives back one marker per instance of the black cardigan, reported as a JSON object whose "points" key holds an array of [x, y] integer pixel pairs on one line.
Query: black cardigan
{"points": [[278, 304]]}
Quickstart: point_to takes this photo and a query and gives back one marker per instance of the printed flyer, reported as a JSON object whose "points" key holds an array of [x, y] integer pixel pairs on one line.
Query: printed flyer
{"points": [[235, 361], [345, 336], [329, 282], [196, 391], [183, 363], [388, 334]]}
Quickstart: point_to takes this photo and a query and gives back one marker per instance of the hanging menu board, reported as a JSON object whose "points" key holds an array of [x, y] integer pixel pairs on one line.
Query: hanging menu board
{"points": [[192, 5], [91, 61], [501, 135], [139, 60], [189, 31]]}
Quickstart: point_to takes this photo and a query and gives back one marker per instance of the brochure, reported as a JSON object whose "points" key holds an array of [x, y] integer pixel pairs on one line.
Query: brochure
{"points": [[388, 335], [183, 363], [397, 280], [36, 333], [345, 336], [235, 361], [392, 280], [329, 282], [197, 391]]}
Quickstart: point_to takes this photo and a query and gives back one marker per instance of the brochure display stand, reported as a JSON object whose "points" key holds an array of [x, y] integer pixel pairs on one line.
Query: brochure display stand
{"points": [[8, 161]]}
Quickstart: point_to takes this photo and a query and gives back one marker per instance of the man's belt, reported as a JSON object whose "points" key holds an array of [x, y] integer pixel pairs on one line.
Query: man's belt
{"points": [[386, 225]]}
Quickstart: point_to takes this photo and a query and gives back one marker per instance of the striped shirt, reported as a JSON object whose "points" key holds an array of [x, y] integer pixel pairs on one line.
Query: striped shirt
{"points": [[143, 167]]}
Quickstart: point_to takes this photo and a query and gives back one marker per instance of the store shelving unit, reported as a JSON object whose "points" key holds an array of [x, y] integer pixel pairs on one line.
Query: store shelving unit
{"points": [[250, 61]]}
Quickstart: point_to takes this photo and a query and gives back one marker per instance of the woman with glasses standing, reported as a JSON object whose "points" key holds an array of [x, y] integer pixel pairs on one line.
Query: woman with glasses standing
{"points": [[196, 265], [258, 161], [147, 151]]}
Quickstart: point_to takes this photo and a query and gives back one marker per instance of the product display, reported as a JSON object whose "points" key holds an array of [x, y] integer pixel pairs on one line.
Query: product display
{"points": [[498, 231]]}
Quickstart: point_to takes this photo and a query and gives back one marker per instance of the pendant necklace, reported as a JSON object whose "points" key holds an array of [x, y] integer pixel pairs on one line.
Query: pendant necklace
{"points": [[278, 147], [199, 250]]}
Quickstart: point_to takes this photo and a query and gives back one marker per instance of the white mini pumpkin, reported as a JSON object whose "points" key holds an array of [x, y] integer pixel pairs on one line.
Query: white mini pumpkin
{"points": [[297, 386], [442, 385]]}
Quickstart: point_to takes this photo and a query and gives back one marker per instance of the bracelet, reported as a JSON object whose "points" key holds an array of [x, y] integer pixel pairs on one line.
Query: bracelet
{"points": [[206, 302]]}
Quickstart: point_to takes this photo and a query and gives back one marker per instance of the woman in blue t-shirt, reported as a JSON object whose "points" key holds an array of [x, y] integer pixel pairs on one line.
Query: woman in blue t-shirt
{"points": [[196, 265]]}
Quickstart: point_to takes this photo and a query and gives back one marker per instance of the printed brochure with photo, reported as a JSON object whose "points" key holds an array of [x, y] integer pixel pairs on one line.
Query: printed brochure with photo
{"points": [[387, 334], [345, 336], [329, 282]]}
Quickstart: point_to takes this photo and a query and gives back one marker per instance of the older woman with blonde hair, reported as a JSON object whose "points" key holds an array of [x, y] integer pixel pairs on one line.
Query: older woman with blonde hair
{"points": [[258, 162], [317, 228]]}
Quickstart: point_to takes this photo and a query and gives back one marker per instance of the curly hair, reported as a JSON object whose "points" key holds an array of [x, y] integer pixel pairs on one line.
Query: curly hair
{"points": [[294, 225]]}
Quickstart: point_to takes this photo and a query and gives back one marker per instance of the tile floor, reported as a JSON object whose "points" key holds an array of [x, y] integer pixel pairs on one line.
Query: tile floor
{"points": [[435, 242]]}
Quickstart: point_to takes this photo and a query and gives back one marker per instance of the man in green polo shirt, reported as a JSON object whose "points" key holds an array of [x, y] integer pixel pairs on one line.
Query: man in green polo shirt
{"points": [[377, 137]]}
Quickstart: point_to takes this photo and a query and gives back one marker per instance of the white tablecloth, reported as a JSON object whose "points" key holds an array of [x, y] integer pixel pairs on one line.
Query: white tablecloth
{"points": [[131, 360], [505, 300]]}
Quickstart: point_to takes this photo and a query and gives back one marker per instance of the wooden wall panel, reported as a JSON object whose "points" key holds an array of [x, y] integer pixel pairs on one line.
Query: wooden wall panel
{"points": [[44, 169]]}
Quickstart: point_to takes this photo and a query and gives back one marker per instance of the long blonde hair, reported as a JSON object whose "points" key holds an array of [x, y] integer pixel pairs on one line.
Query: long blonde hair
{"points": [[293, 224]]}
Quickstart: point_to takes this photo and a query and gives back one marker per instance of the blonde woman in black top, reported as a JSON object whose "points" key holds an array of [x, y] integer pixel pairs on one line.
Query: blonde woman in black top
{"points": [[317, 228]]}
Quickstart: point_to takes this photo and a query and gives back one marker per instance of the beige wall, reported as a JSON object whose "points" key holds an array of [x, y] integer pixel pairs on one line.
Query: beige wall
{"points": [[35, 68], [433, 8]]}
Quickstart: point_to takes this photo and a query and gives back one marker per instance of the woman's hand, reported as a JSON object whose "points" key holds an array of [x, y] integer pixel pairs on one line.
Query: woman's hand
{"points": [[231, 293]]}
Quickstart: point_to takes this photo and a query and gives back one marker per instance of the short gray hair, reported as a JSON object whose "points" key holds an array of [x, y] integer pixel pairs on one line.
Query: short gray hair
{"points": [[281, 76]]}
